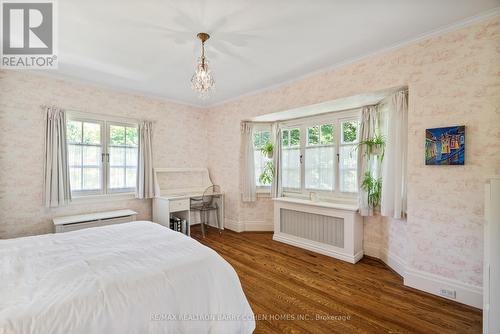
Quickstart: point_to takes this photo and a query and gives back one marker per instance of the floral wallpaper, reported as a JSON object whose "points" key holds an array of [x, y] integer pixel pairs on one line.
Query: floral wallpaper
{"points": [[22, 144], [453, 79]]}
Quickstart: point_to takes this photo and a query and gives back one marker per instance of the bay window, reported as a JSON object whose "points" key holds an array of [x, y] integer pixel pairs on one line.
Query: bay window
{"points": [[319, 154]]}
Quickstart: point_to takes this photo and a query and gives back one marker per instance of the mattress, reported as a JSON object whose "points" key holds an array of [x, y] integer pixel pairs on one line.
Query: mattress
{"points": [[137, 277]]}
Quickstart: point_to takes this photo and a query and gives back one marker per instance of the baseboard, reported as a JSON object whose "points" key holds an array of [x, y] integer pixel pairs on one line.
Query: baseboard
{"points": [[233, 225], [465, 293], [258, 226]]}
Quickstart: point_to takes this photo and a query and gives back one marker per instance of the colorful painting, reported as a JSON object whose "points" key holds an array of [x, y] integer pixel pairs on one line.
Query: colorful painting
{"points": [[445, 146]]}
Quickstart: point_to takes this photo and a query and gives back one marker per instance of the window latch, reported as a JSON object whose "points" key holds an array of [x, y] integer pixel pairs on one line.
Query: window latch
{"points": [[300, 158]]}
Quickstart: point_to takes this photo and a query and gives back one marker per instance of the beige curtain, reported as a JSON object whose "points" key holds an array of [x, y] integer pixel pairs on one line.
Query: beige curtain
{"points": [[145, 186], [367, 130], [57, 189], [248, 187], [393, 201], [276, 186]]}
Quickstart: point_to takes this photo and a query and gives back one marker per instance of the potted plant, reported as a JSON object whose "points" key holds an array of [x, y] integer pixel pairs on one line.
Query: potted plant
{"points": [[374, 146], [373, 188], [267, 175], [267, 150]]}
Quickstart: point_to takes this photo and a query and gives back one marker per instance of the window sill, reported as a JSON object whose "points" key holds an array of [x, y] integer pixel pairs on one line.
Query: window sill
{"points": [[102, 198]]}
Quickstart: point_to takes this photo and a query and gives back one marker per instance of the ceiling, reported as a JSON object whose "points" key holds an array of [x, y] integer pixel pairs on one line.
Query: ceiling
{"points": [[149, 46]]}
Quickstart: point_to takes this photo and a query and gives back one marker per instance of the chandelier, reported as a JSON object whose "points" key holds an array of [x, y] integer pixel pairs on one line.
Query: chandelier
{"points": [[202, 81]]}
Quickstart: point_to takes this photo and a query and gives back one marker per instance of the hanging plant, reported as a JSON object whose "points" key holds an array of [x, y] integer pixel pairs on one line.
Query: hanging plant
{"points": [[267, 150], [374, 146], [267, 175], [373, 187]]}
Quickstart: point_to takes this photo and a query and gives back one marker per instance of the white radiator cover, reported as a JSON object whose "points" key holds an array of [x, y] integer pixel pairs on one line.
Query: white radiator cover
{"points": [[78, 222], [311, 226], [320, 227]]}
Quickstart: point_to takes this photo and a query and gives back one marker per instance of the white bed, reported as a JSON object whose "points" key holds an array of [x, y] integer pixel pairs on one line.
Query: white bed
{"points": [[137, 277]]}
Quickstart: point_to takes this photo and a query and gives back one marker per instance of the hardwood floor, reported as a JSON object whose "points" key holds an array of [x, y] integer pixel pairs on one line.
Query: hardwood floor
{"points": [[292, 290]]}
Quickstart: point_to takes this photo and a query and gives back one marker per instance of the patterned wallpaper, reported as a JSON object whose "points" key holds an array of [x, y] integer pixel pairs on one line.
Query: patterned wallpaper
{"points": [[179, 140], [453, 79]]}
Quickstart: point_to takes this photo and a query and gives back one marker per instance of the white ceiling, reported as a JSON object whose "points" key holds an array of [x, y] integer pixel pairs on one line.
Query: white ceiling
{"points": [[149, 46]]}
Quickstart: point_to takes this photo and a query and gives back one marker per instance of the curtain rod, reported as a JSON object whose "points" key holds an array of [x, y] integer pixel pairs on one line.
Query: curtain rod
{"points": [[44, 106]]}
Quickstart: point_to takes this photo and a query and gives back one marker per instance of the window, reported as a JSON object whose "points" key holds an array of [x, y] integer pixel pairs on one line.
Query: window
{"points": [[291, 159], [263, 163], [319, 157], [122, 157], [348, 160], [102, 156], [319, 154]]}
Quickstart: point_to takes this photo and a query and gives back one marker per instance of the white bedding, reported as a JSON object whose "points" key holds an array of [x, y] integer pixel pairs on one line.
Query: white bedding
{"points": [[136, 277]]}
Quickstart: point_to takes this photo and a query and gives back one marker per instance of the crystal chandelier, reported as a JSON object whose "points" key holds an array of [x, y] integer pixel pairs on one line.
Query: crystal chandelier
{"points": [[202, 81]]}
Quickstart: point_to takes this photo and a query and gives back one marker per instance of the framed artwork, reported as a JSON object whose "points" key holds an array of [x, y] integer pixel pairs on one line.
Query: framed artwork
{"points": [[445, 146]]}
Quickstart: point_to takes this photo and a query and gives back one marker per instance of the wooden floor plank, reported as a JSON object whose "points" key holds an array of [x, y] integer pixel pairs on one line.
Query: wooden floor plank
{"points": [[292, 290]]}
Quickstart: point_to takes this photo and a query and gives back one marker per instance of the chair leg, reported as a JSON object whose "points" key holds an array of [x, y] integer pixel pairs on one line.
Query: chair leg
{"points": [[202, 226], [218, 219]]}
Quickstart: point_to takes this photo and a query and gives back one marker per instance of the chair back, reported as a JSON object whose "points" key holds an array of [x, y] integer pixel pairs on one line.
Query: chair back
{"points": [[209, 195]]}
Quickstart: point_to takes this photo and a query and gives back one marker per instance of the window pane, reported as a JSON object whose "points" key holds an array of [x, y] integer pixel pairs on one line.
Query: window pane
{"points": [[266, 137], [326, 134], [319, 168], [131, 156], [131, 177], [117, 156], [260, 162], [116, 135], [256, 139], [74, 132], [116, 177], [91, 133], [291, 168], [294, 137], [131, 136], [91, 179], [313, 135], [74, 155], [348, 181], [348, 157], [285, 138], [261, 138], [349, 131], [91, 155], [75, 178]]}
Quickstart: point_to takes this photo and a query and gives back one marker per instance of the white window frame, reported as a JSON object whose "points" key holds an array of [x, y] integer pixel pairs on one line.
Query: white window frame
{"points": [[334, 118], [260, 127], [105, 122]]}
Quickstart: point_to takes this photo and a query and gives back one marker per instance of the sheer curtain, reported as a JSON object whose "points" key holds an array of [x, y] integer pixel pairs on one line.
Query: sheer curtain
{"points": [[145, 186], [367, 130], [393, 202], [248, 187], [276, 186], [57, 189]]}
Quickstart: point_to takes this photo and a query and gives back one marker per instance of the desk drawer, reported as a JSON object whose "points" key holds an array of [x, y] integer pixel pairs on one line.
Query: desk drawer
{"points": [[179, 205]]}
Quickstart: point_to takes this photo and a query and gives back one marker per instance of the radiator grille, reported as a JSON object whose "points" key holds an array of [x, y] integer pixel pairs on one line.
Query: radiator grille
{"points": [[325, 229]]}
